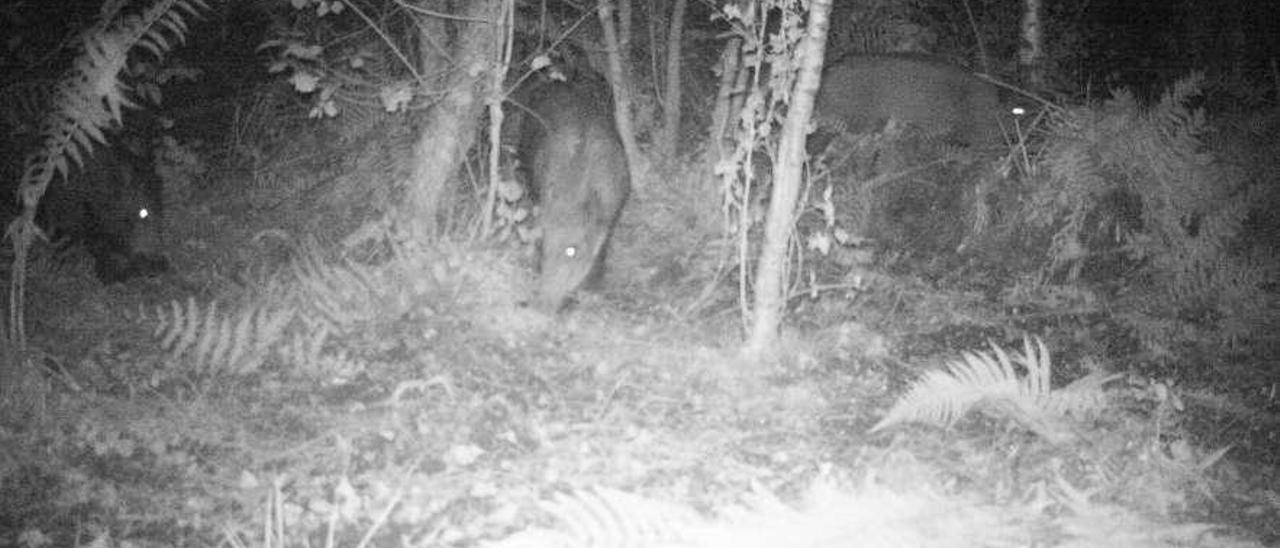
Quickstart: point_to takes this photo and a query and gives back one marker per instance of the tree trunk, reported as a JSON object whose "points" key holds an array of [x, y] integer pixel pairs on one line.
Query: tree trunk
{"points": [[669, 141], [496, 115], [621, 94], [449, 131], [1031, 54], [624, 31], [730, 62], [770, 272]]}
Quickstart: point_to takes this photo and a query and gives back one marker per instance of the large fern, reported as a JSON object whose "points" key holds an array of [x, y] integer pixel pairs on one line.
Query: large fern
{"points": [[90, 98], [217, 342], [1190, 210], [830, 515], [294, 318], [989, 382], [1117, 147], [87, 100]]}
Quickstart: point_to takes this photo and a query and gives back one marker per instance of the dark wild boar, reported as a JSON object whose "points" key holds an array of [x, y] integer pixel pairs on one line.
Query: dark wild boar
{"points": [[860, 93], [577, 173], [111, 206]]}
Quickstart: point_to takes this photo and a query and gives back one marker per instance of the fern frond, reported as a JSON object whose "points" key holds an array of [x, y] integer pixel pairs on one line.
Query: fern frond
{"points": [[305, 346], [990, 380], [219, 343], [942, 397], [169, 17], [1191, 205], [608, 517], [204, 332], [91, 97], [828, 516], [601, 517], [1083, 398], [22, 104], [344, 294]]}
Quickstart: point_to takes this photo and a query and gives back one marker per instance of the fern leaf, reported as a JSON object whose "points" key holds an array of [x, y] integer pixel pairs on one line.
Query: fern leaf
{"points": [[1082, 398], [217, 342], [184, 335], [205, 335], [272, 325], [938, 398], [988, 378], [1039, 373], [221, 352], [165, 321], [241, 342], [607, 517], [192, 7]]}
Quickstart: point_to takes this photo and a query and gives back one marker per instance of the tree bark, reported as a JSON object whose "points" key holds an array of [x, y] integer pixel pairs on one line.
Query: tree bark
{"points": [[730, 62], [770, 298], [669, 141], [449, 131], [496, 115], [621, 94], [624, 30], [1031, 53]]}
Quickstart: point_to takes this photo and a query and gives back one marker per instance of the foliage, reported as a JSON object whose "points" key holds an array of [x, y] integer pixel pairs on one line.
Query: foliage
{"points": [[1116, 442], [608, 517], [232, 343], [761, 63], [833, 515], [88, 100], [982, 34], [22, 104], [486, 428], [1133, 196], [136, 464], [878, 27], [91, 96], [316, 53], [170, 459], [295, 323], [989, 382], [770, 61]]}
